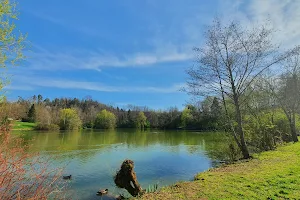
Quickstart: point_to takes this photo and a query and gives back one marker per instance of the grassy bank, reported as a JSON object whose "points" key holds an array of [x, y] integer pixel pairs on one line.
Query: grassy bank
{"points": [[23, 125], [270, 175]]}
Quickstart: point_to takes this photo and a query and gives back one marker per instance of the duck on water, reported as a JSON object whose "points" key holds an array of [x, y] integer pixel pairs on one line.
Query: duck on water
{"points": [[105, 192], [67, 177]]}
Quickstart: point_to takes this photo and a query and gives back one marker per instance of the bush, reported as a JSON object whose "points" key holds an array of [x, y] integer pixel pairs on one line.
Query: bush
{"points": [[88, 125], [260, 132], [266, 129], [141, 121], [69, 119], [23, 175], [227, 151], [105, 120]]}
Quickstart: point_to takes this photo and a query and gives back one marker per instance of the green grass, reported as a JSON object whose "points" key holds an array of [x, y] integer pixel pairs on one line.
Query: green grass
{"points": [[23, 125], [270, 175]]}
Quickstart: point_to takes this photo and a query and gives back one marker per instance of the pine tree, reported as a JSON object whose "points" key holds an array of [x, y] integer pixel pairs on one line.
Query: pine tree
{"points": [[32, 114]]}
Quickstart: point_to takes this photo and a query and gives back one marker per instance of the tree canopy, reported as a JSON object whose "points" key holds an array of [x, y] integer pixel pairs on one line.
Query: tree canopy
{"points": [[141, 120], [105, 120], [69, 119], [11, 41]]}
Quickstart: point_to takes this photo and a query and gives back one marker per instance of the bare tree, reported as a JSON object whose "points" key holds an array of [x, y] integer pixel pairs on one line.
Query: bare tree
{"points": [[286, 90], [228, 63]]}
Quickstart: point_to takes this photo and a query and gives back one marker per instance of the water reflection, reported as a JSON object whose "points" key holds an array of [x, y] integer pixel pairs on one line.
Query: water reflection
{"points": [[92, 157]]}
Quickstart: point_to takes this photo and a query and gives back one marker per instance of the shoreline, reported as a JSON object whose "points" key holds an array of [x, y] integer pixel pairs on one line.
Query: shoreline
{"points": [[268, 175]]}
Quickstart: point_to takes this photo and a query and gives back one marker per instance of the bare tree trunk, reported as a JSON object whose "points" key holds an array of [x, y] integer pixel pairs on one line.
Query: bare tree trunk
{"points": [[293, 128], [226, 110], [240, 131], [292, 122]]}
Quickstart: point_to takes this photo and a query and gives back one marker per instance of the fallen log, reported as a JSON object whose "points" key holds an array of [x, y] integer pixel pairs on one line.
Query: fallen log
{"points": [[126, 178]]}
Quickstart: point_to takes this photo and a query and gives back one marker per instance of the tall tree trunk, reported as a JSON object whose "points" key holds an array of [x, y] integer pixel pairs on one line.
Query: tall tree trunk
{"points": [[293, 128], [240, 131], [226, 110]]}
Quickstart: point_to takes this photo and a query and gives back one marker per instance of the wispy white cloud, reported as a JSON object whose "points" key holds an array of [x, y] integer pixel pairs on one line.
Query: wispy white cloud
{"points": [[283, 16], [26, 83], [19, 87], [62, 23], [175, 43], [46, 60]]}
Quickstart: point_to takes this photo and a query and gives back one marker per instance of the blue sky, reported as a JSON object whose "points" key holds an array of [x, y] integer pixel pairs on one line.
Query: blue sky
{"points": [[127, 52]]}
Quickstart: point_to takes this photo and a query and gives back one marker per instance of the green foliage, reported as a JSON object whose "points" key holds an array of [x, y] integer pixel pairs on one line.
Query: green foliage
{"points": [[47, 127], [130, 120], [266, 129], [32, 114], [260, 131], [169, 119], [152, 188], [224, 150], [215, 108], [205, 116], [141, 121], [186, 117], [48, 112], [69, 119], [88, 125], [105, 120], [12, 44], [227, 151], [148, 124], [216, 114], [282, 124]]}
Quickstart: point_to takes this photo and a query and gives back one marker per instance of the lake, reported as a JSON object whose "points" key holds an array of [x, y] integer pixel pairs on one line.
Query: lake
{"points": [[93, 157]]}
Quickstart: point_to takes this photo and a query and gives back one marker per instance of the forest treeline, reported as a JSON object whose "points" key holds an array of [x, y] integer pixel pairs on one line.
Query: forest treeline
{"points": [[67, 114], [270, 114]]}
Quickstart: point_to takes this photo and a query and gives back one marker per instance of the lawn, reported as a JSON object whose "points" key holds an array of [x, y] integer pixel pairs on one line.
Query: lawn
{"points": [[270, 175], [23, 125]]}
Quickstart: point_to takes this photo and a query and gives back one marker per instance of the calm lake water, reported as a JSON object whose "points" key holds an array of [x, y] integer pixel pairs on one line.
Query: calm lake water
{"points": [[93, 157]]}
